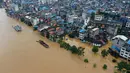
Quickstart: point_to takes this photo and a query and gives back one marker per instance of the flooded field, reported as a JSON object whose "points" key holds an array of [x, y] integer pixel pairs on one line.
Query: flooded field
{"points": [[20, 53]]}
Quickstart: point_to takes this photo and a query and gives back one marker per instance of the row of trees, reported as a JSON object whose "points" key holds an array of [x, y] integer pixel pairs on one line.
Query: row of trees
{"points": [[79, 51], [104, 52]]}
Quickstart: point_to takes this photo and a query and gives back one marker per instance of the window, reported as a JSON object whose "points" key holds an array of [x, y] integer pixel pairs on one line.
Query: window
{"points": [[121, 54], [126, 53], [126, 56], [122, 49]]}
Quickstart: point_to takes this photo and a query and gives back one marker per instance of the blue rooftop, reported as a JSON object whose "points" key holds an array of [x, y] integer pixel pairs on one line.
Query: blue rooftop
{"points": [[91, 11], [82, 30], [128, 42], [115, 48], [43, 8]]}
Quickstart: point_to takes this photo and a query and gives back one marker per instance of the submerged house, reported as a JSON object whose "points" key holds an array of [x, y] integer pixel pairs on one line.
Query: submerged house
{"points": [[55, 33], [51, 32]]}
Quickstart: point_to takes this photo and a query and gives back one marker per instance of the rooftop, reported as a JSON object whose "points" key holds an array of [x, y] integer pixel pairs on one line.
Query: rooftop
{"points": [[128, 42], [121, 37], [82, 30]]}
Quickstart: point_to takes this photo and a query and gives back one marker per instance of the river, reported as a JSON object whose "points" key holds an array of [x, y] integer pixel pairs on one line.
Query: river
{"points": [[20, 53]]}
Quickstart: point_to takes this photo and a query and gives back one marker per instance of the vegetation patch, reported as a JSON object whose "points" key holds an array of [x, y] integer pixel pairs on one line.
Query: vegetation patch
{"points": [[79, 51], [86, 60], [104, 53], [104, 66], [95, 49]]}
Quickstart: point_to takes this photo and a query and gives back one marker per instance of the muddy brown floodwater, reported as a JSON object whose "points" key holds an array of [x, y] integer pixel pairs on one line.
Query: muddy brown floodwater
{"points": [[20, 53]]}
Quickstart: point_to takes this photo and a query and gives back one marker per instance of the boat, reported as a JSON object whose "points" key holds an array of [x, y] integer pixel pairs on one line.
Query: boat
{"points": [[43, 43], [17, 28]]}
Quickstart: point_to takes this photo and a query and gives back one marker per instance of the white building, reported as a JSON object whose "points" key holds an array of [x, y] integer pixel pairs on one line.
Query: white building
{"points": [[35, 21], [82, 34], [121, 44], [94, 32], [99, 17], [125, 51], [71, 18], [128, 24]]}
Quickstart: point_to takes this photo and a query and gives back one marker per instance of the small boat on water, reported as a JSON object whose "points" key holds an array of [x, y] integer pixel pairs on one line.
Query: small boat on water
{"points": [[17, 28], [43, 43]]}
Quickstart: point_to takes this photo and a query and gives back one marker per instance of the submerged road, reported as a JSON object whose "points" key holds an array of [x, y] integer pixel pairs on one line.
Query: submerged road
{"points": [[20, 53]]}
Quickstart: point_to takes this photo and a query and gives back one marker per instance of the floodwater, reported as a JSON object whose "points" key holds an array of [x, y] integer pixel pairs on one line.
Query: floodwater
{"points": [[20, 53]]}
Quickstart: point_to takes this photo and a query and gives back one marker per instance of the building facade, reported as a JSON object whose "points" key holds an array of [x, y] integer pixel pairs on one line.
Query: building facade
{"points": [[125, 51]]}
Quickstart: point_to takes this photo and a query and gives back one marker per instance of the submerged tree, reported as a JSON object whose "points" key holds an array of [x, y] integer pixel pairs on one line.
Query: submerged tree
{"points": [[81, 51], [95, 65], [95, 49], [104, 53], [123, 66], [104, 66], [74, 50], [86, 60]]}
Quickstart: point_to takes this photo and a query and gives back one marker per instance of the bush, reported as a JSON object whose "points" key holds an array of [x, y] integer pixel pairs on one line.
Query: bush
{"points": [[114, 60], [104, 53], [95, 49], [86, 60], [104, 66], [94, 65]]}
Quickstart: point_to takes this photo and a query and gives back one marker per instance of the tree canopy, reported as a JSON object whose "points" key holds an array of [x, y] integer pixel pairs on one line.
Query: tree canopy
{"points": [[104, 53], [123, 66], [95, 49]]}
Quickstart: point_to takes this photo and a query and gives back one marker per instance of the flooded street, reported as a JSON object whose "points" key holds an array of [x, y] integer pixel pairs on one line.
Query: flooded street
{"points": [[20, 53]]}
